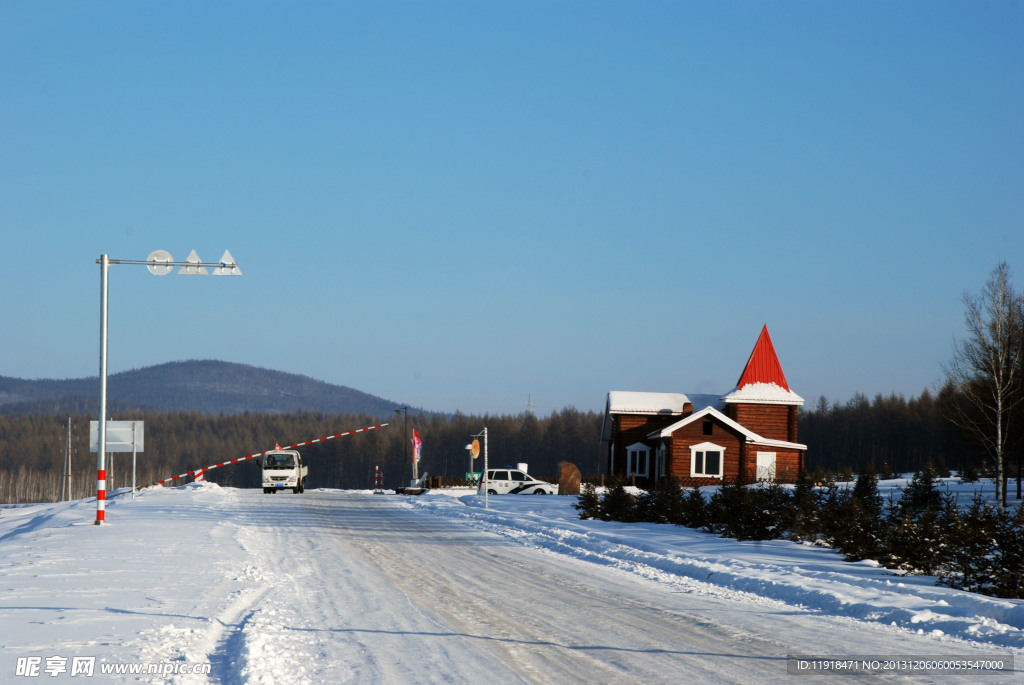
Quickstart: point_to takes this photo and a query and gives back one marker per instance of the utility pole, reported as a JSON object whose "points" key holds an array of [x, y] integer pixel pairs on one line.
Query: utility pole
{"points": [[65, 482]]}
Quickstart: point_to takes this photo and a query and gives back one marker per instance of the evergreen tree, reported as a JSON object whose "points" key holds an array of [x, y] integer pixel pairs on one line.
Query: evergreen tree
{"points": [[695, 509], [805, 522], [917, 540], [588, 502], [974, 536], [1008, 574], [834, 511], [663, 504], [921, 493], [618, 504], [769, 512], [969, 473], [859, 529]]}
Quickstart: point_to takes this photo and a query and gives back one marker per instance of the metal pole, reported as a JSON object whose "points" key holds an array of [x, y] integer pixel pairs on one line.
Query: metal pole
{"points": [[134, 451], [67, 462], [405, 434], [483, 476], [101, 472]]}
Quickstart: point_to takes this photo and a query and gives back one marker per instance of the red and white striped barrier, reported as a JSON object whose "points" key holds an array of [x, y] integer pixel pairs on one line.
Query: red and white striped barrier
{"points": [[198, 473]]}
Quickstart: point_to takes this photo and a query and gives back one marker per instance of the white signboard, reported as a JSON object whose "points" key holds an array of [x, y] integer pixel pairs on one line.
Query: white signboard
{"points": [[122, 436]]}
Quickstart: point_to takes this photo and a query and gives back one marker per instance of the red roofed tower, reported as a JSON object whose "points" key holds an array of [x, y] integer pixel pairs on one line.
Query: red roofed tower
{"points": [[763, 365], [762, 400]]}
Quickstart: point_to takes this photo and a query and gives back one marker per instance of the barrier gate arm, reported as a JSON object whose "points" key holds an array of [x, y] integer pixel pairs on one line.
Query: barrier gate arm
{"points": [[203, 470]]}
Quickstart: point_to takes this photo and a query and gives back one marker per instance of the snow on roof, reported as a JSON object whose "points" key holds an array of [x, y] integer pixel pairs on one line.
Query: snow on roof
{"points": [[763, 393], [626, 402]]}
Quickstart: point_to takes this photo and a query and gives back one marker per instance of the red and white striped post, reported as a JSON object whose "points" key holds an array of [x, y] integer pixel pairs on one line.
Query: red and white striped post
{"points": [[199, 472]]}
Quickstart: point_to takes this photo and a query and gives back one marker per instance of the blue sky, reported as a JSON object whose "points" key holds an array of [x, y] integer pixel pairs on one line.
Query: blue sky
{"points": [[460, 205]]}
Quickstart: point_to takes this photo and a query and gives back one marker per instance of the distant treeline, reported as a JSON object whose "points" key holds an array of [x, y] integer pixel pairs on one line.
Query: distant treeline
{"points": [[890, 432], [32, 448], [895, 434]]}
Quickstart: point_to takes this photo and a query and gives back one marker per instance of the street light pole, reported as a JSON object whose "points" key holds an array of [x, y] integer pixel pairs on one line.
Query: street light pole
{"points": [[101, 469], [404, 411], [160, 263]]}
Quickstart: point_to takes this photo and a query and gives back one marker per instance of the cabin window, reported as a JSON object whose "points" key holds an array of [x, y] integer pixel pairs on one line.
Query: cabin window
{"points": [[706, 460], [638, 456], [709, 428]]}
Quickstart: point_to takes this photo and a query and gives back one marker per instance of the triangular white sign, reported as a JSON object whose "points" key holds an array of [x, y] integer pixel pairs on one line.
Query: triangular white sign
{"points": [[192, 266], [227, 266]]}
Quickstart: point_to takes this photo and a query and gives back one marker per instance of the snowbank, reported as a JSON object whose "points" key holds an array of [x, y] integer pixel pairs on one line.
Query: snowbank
{"points": [[806, 576]]}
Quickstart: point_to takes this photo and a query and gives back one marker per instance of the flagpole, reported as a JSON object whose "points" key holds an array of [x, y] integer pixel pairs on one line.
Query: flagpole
{"points": [[415, 470]]}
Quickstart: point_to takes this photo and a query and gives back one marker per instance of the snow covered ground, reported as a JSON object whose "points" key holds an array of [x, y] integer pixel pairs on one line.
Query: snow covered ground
{"points": [[203, 584], [803, 575]]}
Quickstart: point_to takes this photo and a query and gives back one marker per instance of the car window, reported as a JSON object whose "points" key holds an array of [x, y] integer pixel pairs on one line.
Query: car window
{"points": [[500, 475], [518, 475]]}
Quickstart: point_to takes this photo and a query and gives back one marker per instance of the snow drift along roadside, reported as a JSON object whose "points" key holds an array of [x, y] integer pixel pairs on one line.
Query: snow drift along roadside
{"points": [[801, 575]]}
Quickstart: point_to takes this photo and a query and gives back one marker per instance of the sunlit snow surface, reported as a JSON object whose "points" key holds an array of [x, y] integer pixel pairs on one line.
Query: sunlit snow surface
{"points": [[278, 589]]}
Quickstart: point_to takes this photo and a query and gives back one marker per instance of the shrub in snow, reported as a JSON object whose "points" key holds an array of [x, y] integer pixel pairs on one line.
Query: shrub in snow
{"points": [[757, 512], [804, 523], [969, 473], [917, 526], [973, 563], [618, 505], [980, 549], [588, 503], [695, 509], [663, 504], [857, 531]]}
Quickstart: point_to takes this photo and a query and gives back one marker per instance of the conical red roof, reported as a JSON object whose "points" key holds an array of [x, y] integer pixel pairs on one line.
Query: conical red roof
{"points": [[763, 365]]}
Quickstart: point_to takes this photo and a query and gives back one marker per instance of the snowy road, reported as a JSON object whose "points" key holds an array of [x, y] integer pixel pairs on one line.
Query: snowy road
{"points": [[438, 601], [352, 587]]}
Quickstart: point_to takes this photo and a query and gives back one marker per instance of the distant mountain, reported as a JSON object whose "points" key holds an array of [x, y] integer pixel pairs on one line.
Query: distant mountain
{"points": [[209, 387]]}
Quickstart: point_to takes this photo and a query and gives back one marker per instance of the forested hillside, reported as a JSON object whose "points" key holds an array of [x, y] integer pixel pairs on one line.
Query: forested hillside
{"points": [[207, 386]]}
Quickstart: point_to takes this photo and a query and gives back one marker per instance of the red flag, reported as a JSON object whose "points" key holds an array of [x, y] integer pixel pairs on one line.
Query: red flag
{"points": [[417, 444]]}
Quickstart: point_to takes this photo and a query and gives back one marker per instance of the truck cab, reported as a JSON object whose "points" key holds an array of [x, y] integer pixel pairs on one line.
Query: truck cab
{"points": [[283, 469]]}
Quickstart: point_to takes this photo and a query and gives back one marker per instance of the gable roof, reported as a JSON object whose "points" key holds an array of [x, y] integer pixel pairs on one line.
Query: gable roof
{"points": [[651, 403], [711, 412], [762, 380]]}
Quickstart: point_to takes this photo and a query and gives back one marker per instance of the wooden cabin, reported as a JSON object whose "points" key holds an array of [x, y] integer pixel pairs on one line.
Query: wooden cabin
{"points": [[749, 434]]}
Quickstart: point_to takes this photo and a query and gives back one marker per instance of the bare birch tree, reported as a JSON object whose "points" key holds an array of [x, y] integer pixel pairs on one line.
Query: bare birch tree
{"points": [[986, 369]]}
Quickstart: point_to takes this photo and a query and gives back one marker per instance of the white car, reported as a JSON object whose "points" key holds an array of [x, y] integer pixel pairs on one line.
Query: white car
{"points": [[513, 482]]}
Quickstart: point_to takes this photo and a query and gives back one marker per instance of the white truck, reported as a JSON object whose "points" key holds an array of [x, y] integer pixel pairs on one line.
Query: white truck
{"points": [[283, 469]]}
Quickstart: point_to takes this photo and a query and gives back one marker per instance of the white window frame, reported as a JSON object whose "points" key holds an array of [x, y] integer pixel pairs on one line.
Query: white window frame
{"points": [[638, 448], [659, 461], [702, 448]]}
